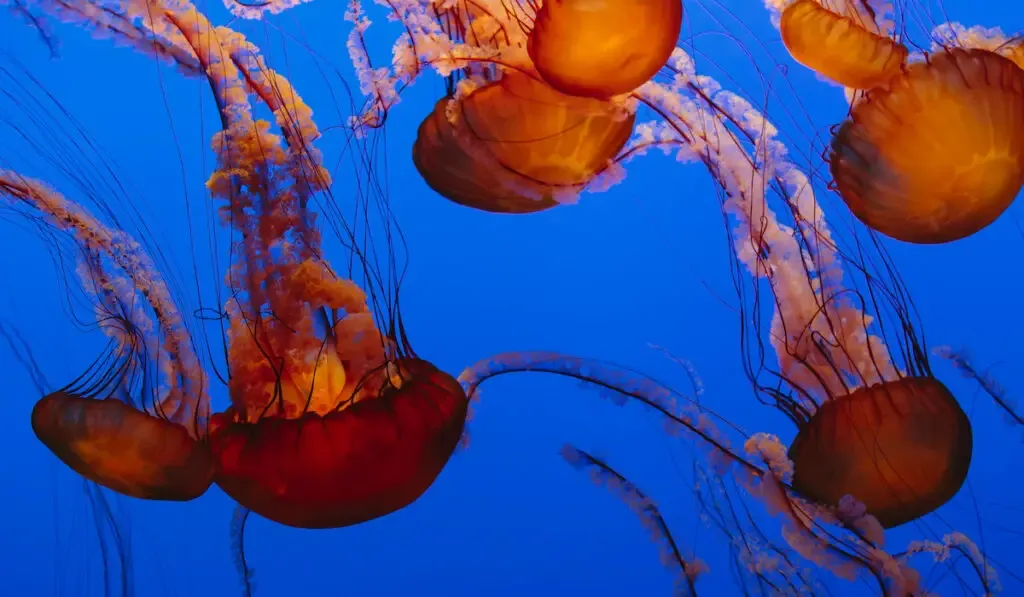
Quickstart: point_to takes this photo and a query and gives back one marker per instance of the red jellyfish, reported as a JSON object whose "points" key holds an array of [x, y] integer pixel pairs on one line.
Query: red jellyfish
{"points": [[332, 420], [938, 153], [109, 426], [514, 145], [603, 48]]}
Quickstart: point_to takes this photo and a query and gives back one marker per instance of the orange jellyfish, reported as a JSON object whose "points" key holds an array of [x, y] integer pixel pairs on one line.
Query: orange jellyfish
{"points": [[872, 424], [334, 420], [503, 139], [604, 48], [846, 48], [937, 154], [109, 426], [514, 145]]}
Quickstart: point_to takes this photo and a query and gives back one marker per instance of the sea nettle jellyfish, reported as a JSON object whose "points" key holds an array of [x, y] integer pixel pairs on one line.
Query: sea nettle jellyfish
{"points": [[871, 424], [605, 47], [114, 425], [334, 420], [933, 151], [880, 441], [538, 105]]}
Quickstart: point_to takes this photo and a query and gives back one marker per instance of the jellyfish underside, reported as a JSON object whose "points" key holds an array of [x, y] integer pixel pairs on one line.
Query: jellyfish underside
{"points": [[902, 448], [123, 449], [349, 466], [605, 48], [938, 154], [839, 48], [517, 144]]}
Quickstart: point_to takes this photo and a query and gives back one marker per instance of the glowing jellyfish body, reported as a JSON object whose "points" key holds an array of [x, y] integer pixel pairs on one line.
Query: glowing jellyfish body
{"points": [[450, 166], [902, 448], [601, 48], [121, 448], [839, 48], [939, 153], [149, 447], [516, 144], [349, 466]]}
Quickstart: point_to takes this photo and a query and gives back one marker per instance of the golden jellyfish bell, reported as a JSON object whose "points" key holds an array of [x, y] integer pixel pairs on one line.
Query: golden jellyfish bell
{"points": [[902, 448], [839, 48], [601, 48], [517, 143], [463, 176], [938, 154], [123, 449]]}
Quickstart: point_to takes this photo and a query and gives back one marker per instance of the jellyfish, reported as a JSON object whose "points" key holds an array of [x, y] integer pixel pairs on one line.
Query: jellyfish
{"points": [[601, 49], [931, 150], [835, 369], [503, 138], [334, 420], [871, 424], [846, 46], [106, 426], [937, 154], [516, 143], [110, 527]]}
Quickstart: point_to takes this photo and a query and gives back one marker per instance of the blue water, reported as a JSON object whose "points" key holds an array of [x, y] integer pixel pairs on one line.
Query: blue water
{"points": [[645, 263]]}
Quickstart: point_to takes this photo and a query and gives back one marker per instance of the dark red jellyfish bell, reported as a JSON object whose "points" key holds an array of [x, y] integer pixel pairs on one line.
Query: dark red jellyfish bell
{"points": [[349, 466], [601, 48], [937, 154], [122, 448], [903, 448]]}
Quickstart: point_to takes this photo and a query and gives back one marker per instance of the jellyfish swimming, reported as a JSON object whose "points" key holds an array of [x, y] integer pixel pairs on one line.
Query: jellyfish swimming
{"points": [[107, 426], [601, 49], [834, 370], [517, 138], [334, 420], [880, 441], [938, 153], [504, 139], [846, 48], [931, 151]]}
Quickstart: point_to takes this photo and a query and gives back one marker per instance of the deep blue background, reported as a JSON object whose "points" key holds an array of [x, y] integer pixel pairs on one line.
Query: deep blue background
{"points": [[644, 263]]}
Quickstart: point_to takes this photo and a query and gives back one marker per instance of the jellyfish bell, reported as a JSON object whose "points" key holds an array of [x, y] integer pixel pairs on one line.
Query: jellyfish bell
{"points": [[902, 448], [138, 439], [363, 461], [470, 178], [938, 154], [122, 448], [514, 145], [840, 47], [601, 48]]}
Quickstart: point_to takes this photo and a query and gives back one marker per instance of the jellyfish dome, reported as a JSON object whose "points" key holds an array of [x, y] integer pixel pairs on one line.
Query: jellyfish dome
{"points": [[601, 48], [348, 466], [938, 154], [903, 448], [122, 448], [517, 145], [839, 47], [132, 438]]}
